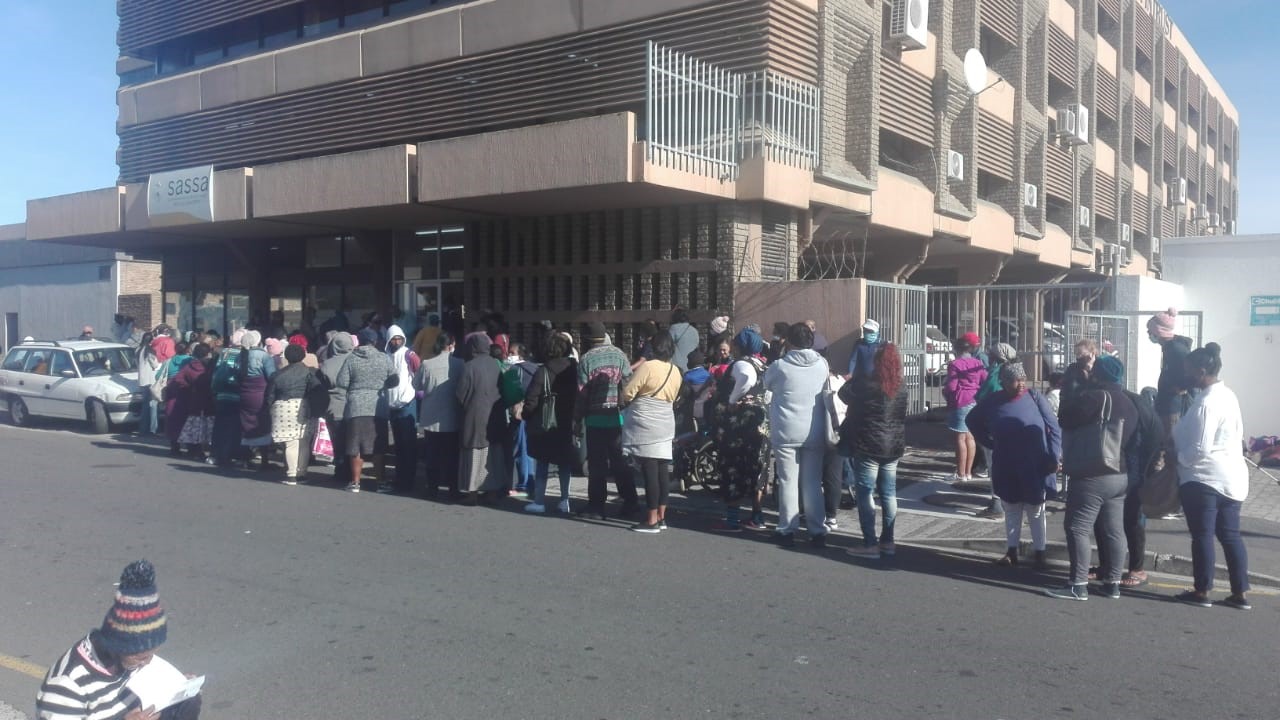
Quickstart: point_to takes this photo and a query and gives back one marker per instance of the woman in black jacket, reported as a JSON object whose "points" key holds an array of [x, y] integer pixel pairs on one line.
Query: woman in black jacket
{"points": [[874, 433], [552, 446]]}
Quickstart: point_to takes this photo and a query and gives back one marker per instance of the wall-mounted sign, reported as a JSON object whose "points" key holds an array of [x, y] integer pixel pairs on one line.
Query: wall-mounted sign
{"points": [[1264, 310], [181, 197], [1159, 14]]}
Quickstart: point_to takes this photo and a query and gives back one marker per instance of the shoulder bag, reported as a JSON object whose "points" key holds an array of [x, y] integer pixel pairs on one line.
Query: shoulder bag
{"points": [[546, 420], [1096, 449]]}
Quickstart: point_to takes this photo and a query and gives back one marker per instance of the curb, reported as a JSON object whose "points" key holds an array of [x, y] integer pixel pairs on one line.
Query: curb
{"points": [[1057, 551]]}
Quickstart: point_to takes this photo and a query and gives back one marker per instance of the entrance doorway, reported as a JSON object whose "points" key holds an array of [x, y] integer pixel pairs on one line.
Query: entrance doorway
{"points": [[10, 330], [425, 299]]}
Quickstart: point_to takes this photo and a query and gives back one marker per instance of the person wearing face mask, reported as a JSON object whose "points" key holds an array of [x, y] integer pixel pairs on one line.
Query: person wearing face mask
{"points": [[863, 361], [402, 409], [1171, 390]]}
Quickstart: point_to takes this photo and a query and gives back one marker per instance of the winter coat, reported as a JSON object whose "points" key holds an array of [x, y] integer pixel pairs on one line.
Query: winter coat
{"points": [[863, 360], [366, 373], [1170, 399], [685, 337], [437, 380], [337, 351], [554, 447], [480, 394], [190, 389], [797, 412], [404, 363], [148, 366], [965, 376], [226, 384], [299, 382], [1026, 443], [876, 425]]}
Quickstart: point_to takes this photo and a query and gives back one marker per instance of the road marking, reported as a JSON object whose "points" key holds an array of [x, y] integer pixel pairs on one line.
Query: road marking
{"points": [[22, 666]]}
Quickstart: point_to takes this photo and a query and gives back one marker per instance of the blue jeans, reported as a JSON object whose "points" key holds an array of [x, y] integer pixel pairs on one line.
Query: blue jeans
{"points": [[520, 455], [1211, 513], [540, 481], [149, 418], [882, 479]]}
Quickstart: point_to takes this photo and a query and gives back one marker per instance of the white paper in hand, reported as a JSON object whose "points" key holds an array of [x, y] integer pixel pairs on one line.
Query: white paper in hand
{"points": [[159, 684]]}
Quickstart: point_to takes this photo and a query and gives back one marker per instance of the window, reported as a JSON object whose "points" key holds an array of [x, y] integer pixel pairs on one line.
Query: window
{"points": [[61, 363], [206, 48], [358, 13], [321, 17], [15, 360], [104, 272], [242, 37], [279, 28], [173, 57], [324, 252], [102, 361], [991, 187], [400, 8], [38, 362]]}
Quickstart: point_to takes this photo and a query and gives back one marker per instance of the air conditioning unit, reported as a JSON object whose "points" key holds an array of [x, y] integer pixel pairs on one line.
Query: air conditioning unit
{"points": [[1126, 256], [1178, 192], [1201, 214], [1110, 254], [1066, 126], [1126, 235], [1215, 220], [909, 24], [955, 166], [1085, 217], [1030, 196], [1080, 134]]}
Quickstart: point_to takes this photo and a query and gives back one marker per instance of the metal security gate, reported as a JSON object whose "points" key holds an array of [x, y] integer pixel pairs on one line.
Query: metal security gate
{"points": [[901, 312], [1031, 318], [1121, 333]]}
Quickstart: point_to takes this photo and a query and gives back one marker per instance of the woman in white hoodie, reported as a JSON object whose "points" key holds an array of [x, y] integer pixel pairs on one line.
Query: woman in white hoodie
{"points": [[798, 433], [402, 410]]}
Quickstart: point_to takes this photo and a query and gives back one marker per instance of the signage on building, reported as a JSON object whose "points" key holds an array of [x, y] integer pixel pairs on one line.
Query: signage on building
{"points": [[181, 197], [1161, 16], [1264, 310]]}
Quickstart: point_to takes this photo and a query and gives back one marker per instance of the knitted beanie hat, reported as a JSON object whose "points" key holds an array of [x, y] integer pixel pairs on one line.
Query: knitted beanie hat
{"points": [[719, 325], [1108, 369], [136, 622], [1161, 324], [1003, 352]]}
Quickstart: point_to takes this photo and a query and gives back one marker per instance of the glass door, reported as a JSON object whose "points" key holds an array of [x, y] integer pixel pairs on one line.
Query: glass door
{"points": [[420, 300]]}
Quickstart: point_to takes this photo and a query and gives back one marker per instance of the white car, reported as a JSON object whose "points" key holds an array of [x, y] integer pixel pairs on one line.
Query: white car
{"points": [[77, 379]]}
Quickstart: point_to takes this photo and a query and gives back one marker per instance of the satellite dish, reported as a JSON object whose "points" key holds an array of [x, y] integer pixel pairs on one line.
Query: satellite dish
{"points": [[975, 71]]}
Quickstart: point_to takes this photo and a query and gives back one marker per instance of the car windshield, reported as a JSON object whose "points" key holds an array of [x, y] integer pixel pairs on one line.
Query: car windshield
{"points": [[104, 361], [936, 335]]}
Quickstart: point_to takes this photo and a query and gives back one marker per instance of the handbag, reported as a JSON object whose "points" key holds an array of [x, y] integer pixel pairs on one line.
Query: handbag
{"points": [[161, 381], [1096, 449], [1159, 489], [832, 415], [546, 420], [322, 445]]}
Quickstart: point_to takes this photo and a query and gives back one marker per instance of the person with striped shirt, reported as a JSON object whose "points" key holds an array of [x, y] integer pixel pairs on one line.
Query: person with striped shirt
{"points": [[90, 681]]}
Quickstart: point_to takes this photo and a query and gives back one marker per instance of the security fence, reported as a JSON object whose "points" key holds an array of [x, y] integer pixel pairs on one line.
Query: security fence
{"points": [[900, 310], [704, 119], [1120, 333]]}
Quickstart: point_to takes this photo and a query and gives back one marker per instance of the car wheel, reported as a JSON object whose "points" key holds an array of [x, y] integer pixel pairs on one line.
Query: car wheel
{"points": [[99, 423], [18, 414]]}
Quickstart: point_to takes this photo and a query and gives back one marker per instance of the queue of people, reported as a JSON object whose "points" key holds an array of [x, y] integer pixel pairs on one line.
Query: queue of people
{"points": [[482, 417]]}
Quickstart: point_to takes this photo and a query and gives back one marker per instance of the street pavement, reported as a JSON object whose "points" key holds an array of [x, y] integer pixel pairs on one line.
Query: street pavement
{"points": [[311, 602]]}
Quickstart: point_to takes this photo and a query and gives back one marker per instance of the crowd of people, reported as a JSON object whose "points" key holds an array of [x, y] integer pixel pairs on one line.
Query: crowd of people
{"points": [[481, 417]]}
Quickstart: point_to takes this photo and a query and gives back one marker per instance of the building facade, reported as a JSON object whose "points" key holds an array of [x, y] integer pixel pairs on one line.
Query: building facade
{"points": [[50, 291], [568, 160]]}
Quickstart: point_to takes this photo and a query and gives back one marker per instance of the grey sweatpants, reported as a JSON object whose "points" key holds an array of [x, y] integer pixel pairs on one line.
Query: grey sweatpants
{"points": [[1101, 500]]}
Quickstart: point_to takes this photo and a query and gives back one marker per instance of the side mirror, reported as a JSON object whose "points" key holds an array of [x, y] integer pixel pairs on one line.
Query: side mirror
{"points": [[68, 373]]}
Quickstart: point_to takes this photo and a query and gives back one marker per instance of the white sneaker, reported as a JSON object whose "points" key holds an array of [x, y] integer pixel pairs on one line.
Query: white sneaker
{"points": [[832, 525], [535, 508], [564, 506]]}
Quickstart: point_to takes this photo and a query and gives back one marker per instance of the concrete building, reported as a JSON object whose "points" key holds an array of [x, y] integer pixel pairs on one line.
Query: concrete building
{"points": [[50, 291], [574, 159], [1235, 283]]}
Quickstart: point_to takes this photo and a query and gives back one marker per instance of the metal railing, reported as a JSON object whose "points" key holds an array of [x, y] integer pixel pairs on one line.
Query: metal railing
{"points": [[901, 311], [703, 119], [692, 114], [781, 117]]}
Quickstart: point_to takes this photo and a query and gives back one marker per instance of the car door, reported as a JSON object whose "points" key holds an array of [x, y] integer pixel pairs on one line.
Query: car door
{"points": [[11, 373], [34, 379], [64, 388]]}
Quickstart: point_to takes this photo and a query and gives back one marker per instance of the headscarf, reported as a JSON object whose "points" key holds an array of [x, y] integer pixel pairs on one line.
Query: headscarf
{"points": [[1108, 369], [340, 344], [478, 345], [251, 339], [750, 341], [236, 337], [275, 347], [163, 347], [1161, 324], [1002, 352], [1012, 373]]}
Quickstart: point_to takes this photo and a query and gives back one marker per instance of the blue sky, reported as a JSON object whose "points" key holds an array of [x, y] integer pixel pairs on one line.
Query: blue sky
{"points": [[59, 134]]}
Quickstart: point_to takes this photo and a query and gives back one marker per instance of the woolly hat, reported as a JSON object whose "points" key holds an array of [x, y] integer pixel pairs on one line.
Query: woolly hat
{"points": [[367, 336], [275, 347], [596, 331], [236, 337], [1161, 324], [719, 325], [251, 339], [750, 341], [697, 359], [871, 326], [136, 622], [972, 339], [1108, 369], [1011, 373]]}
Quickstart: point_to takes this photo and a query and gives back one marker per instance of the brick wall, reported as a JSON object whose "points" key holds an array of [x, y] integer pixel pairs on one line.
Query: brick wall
{"points": [[140, 292]]}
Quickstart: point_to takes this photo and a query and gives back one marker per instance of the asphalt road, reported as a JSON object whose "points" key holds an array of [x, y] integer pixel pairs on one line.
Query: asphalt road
{"points": [[308, 602]]}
